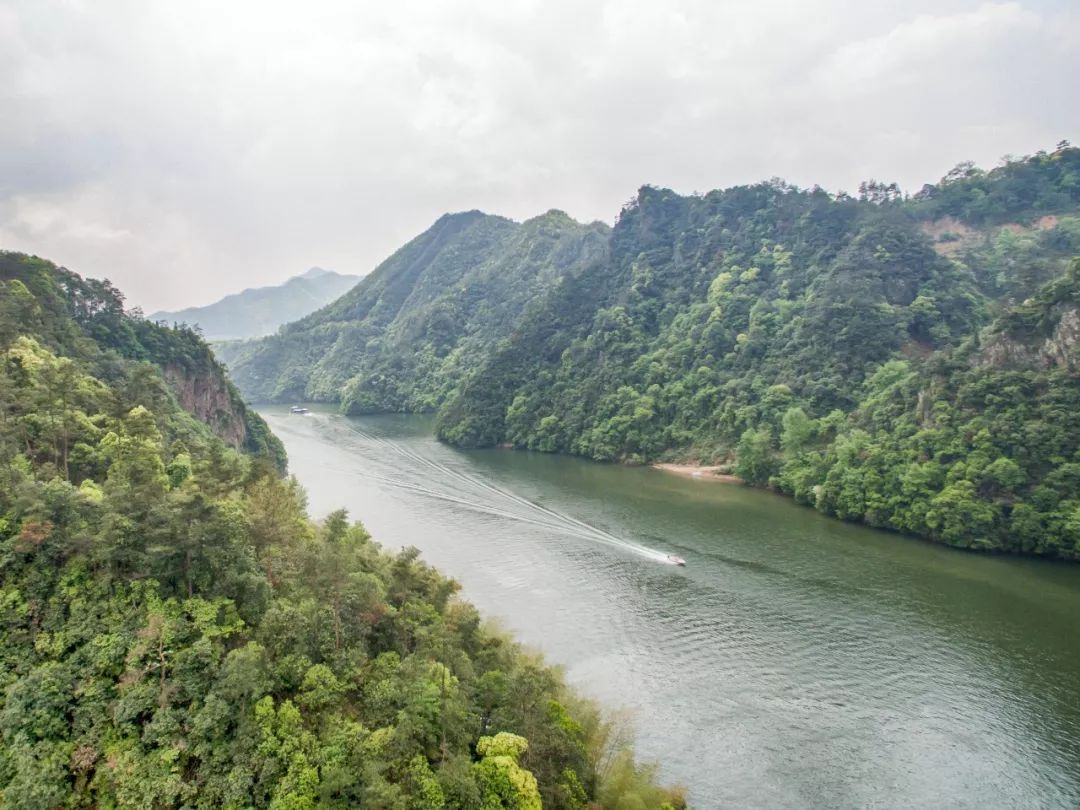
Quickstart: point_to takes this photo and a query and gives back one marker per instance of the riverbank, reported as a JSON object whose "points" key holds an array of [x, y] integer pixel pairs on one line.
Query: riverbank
{"points": [[775, 597], [697, 471]]}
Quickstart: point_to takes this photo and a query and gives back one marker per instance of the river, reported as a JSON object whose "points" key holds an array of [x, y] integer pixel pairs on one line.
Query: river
{"points": [[795, 662]]}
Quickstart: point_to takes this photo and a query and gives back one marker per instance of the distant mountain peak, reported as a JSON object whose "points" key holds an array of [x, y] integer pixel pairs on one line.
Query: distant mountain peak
{"points": [[262, 310]]}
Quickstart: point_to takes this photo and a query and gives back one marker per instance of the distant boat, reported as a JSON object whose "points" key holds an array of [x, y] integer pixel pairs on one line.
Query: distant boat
{"points": [[298, 409], [676, 559]]}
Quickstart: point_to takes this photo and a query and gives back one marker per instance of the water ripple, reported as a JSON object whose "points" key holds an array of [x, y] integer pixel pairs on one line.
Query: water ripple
{"points": [[796, 662]]}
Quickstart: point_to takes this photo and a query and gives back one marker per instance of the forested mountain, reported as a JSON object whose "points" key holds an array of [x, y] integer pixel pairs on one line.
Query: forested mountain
{"points": [[168, 369], [174, 632], [909, 363], [260, 311], [402, 338], [877, 357]]}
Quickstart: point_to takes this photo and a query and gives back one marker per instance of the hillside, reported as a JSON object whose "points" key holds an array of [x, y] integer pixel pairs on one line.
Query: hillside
{"points": [[886, 360], [402, 338], [170, 370], [177, 634], [261, 311], [828, 346]]}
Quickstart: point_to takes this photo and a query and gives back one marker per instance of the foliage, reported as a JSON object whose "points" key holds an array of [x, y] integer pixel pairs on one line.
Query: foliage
{"points": [[824, 346], [908, 362], [502, 781], [174, 632], [84, 321], [403, 336], [1019, 189]]}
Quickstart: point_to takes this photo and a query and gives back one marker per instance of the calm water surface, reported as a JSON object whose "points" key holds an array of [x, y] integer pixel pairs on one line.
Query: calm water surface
{"points": [[796, 662]]}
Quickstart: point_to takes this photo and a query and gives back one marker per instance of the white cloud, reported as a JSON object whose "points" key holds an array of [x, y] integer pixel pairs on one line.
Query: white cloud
{"points": [[186, 150], [37, 219], [914, 51]]}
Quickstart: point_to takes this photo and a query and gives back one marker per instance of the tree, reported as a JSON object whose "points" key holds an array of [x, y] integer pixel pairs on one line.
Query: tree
{"points": [[754, 460], [799, 429], [504, 784]]}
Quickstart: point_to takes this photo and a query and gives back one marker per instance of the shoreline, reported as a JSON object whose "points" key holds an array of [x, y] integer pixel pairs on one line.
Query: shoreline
{"points": [[699, 472]]}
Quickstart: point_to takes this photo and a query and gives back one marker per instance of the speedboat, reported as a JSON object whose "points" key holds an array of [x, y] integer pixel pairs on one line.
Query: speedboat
{"points": [[298, 409], [676, 559]]}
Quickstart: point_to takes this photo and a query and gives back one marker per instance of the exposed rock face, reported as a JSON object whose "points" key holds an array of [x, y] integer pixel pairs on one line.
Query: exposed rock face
{"points": [[1059, 350], [207, 396], [1062, 346]]}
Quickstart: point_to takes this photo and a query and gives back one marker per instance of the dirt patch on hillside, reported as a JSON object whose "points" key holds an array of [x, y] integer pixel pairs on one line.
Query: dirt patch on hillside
{"points": [[949, 235], [696, 471]]}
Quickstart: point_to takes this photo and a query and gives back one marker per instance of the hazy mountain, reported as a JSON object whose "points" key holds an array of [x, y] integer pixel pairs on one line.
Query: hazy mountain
{"points": [[260, 311]]}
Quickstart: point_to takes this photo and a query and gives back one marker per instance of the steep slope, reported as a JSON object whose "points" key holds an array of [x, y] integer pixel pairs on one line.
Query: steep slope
{"points": [[713, 300], [175, 632], [85, 319], [816, 343], [401, 339], [261, 311]]}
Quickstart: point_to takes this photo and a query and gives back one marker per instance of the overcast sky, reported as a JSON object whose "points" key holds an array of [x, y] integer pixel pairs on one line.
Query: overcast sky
{"points": [[189, 149]]}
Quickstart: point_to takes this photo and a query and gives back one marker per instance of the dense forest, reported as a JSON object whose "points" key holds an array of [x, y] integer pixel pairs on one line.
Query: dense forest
{"points": [[402, 338], [175, 632], [905, 361], [84, 321]]}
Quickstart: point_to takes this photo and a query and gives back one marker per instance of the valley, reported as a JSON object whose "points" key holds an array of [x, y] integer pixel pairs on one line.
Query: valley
{"points": [[819, 663]]}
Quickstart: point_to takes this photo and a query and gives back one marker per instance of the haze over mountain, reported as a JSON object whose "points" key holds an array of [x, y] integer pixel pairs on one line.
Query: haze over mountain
{"points": [[260, 311], [208, 170]]}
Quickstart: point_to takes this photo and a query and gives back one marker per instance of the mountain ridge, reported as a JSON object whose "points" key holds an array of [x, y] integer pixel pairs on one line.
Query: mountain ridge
{"points": [[814, 343], [393, 340], [259, 311]]}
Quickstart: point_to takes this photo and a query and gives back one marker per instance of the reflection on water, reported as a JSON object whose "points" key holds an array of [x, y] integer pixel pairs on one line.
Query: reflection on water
{"points": [[795, 662]]}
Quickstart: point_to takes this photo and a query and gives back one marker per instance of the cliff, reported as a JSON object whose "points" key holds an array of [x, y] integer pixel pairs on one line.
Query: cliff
{"points": [[85, 319], [208, 397], [1041, 333], [1058, 350]]}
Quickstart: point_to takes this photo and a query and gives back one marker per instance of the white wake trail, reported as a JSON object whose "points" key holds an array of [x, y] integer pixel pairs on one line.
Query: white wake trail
{"points": [[565, 524]]}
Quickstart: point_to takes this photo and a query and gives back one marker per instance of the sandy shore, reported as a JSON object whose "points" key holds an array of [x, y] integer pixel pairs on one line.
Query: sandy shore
{"points": [[695, 471]]}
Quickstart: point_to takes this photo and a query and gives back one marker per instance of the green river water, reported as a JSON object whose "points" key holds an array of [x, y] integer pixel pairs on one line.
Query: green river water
{"points": [[795, 662]]}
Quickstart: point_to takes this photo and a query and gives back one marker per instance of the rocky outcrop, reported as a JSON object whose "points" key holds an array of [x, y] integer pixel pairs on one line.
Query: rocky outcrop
{"points": [[1061, 349], [208, 396]]}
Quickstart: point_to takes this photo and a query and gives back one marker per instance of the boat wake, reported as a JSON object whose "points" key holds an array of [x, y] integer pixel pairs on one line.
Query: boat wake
{"points": [[508, 504]]}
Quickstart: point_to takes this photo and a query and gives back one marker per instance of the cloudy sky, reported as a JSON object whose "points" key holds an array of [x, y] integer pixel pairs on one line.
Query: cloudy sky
{"points": [[189, 149]]}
